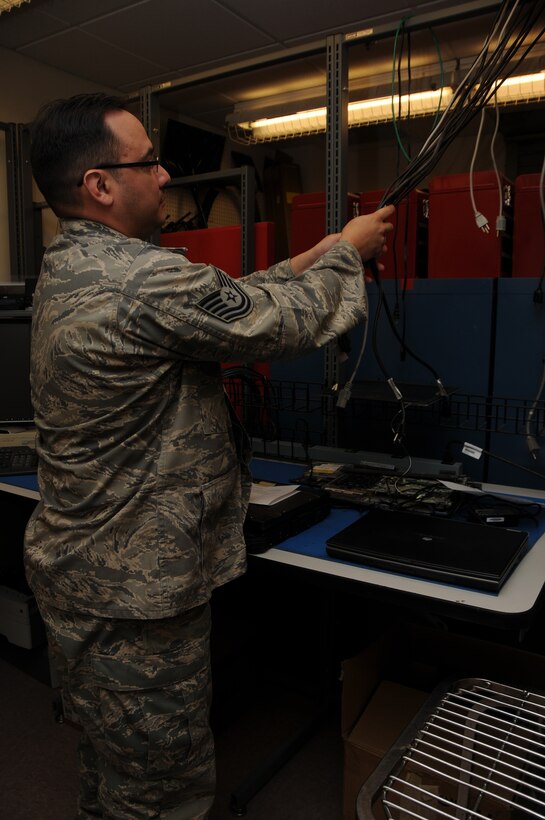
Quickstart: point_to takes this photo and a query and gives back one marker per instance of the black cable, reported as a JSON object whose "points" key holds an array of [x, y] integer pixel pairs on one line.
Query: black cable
{"points": [[469, 97], [511, 26], [499, 458], [375, 273], [376, 322]]}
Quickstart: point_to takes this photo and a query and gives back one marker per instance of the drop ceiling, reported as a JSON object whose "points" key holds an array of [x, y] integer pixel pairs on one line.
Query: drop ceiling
{"points": [[131, 45]]}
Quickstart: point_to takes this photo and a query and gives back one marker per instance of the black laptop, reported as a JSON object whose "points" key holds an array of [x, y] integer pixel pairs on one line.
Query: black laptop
{"points": [[442, 549]]}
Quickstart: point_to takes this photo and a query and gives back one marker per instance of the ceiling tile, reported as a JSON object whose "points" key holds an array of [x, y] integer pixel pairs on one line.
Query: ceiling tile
{"points": [[88, 57], [286, 20], [183, 32], [129, 44], [17, 30], [74, 12]]}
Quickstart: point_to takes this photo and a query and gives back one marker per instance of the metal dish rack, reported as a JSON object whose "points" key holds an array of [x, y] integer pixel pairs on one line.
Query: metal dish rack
{"points": [[476, 750]]}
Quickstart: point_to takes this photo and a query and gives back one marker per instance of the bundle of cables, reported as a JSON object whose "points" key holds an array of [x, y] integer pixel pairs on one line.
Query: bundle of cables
{"points": [[514, 33], [518, 26]]}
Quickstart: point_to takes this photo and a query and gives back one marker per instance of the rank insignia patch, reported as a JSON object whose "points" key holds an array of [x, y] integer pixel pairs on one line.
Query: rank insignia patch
{"points": [[229, 302]]}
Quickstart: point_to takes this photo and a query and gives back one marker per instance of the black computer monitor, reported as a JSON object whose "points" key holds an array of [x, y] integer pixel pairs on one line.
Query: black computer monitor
{"points": [[15, 404]]}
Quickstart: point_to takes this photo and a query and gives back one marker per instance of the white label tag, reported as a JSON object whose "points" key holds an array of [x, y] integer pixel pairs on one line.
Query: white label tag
{"points": [[471, 450]]}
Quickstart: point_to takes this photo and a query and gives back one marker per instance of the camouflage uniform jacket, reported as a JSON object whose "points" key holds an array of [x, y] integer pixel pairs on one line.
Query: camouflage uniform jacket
{"points": [[143, 493]]}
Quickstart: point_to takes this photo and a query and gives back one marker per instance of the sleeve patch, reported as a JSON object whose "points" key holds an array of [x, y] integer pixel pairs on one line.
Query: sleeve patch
{"points": [[229, 302]]}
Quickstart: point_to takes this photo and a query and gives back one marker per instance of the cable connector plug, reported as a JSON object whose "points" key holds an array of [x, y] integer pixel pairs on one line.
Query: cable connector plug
{"points": [[533, 446], [344, 396], [442, 391], [395, 389], [501, 224], [482, 222]]}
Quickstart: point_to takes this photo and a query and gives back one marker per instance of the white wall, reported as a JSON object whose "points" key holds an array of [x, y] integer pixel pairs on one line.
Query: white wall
{"points": [[26, 85]]}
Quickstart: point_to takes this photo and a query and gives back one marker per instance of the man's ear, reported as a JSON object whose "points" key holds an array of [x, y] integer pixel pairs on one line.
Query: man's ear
{"points": [[98, 185]]}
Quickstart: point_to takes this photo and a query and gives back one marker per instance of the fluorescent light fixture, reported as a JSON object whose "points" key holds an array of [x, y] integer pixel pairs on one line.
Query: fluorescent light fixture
{"points": [[524, 88], [8, 5], [521, 89], [364, 112]]}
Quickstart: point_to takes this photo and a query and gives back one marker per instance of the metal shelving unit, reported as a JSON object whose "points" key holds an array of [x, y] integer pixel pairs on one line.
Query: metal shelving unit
{"points": [[474, 751]]}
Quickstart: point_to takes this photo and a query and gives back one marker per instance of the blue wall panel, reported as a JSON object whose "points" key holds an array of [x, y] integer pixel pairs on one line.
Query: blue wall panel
{"points": [[448, 324], [518, 369]]}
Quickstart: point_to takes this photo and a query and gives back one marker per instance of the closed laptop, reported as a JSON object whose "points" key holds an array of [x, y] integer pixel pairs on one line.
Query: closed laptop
{"points": [[442, 549]]}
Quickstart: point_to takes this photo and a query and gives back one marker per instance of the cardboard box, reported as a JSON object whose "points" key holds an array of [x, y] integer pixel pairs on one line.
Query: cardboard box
{"points": [[387, 683], [390, 709]]}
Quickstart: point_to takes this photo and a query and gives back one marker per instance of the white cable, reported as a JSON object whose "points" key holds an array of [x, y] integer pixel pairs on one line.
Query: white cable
{"points": [[500, 219], [469, 76], [480, 219], [346, 391]]}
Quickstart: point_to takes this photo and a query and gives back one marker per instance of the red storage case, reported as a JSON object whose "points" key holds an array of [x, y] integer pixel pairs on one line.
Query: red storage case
{"points": [[221, 246], [407, 254], [457, 248], [528, 232], [308, 219]]}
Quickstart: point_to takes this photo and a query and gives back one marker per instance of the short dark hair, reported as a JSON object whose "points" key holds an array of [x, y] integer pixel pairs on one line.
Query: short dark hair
{"points": [[68, 137]]}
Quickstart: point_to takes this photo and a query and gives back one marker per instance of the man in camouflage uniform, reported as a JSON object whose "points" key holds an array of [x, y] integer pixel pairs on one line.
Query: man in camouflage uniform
{"points": [[143, 473]]}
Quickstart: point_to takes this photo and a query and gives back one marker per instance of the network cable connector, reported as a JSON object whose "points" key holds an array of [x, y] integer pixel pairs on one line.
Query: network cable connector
{"points": [[501, 224], [482, 222], [533, 446], [344, 396]]}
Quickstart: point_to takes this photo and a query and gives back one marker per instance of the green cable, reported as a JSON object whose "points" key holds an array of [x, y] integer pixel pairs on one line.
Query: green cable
{"points": [[441, 81], [398, 136]]}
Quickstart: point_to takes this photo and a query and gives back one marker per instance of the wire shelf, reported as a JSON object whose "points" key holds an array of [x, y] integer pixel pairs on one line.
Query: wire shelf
{"points": [[475, 752], [301, 411]]}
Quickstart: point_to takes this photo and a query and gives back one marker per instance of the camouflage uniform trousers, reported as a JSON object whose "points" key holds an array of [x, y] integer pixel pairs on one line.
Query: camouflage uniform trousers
{"points": [[140, 690]]}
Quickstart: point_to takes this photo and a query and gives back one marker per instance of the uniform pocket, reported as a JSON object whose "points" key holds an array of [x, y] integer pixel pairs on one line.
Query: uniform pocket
{"points": [[154, 707]]}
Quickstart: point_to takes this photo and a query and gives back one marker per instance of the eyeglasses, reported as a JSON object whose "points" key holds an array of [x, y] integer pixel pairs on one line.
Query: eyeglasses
{"points": [[145, 163]]}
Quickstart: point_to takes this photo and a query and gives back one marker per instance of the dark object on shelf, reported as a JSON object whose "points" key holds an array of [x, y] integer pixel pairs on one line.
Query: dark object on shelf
{"points": [[189, 150], [18, 460], [420, 395], [266, 526]]}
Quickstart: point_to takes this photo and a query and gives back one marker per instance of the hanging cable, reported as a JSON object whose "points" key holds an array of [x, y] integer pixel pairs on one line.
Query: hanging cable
{"points": [[501, 223], [531, 439], [400, 27], [538, 292], [480, 219], [511, 34]]}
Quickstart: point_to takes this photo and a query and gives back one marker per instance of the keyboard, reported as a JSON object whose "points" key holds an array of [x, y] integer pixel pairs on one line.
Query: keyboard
{"points": [[18, 460]]}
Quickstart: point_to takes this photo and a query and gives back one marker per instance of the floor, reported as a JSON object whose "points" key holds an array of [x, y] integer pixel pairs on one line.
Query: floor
{"points": [[276, 653], [261, 705]]}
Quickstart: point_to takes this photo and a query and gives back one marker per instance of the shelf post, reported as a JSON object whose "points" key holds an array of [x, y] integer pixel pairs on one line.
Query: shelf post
{"points": [[336, 190]]}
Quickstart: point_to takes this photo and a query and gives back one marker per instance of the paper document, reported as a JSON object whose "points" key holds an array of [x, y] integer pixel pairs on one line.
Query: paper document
{"points": [[268, 494], [497, 489]]}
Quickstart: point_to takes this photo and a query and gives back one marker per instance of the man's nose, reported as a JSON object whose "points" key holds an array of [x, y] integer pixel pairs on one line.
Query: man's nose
{"points": [[164, 176]]}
